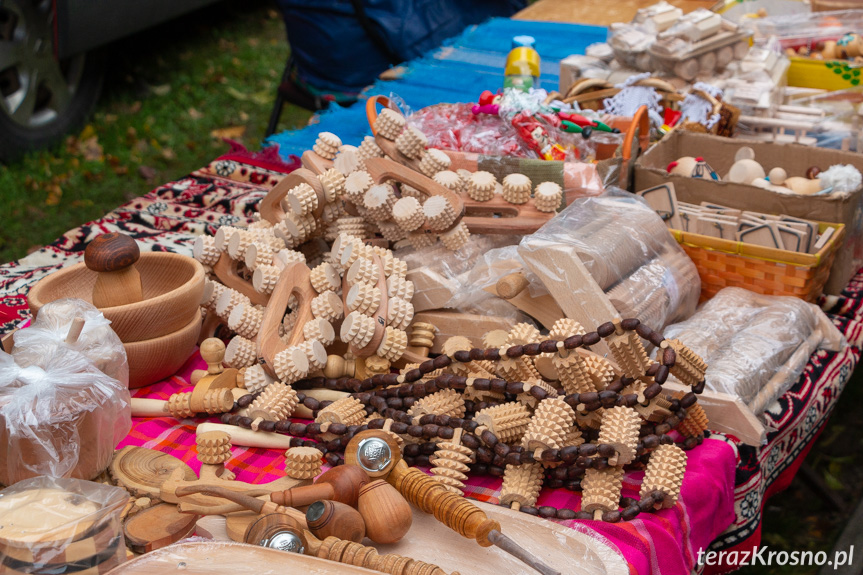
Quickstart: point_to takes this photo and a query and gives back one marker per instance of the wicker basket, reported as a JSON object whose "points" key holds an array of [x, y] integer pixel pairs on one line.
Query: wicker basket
{"points": [[726, 263]]}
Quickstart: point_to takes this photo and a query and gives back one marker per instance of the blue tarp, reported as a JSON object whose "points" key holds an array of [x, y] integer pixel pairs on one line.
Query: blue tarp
{"points": [[458, 71]]}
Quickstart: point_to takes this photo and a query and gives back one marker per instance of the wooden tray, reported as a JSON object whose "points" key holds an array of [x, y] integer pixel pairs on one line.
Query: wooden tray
{"points": [[230, 558], [428, 540]]}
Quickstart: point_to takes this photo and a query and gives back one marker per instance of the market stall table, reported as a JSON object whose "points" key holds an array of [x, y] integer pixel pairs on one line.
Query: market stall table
{"points": [[726, 483]]}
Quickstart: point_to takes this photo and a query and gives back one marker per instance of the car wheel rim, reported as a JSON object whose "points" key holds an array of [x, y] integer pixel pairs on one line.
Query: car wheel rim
{"points": [[35, 89]]}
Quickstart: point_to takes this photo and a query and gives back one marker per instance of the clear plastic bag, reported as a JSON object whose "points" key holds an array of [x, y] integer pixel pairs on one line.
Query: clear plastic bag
{"points": [[444, 279], [629, 255], [62, 417], [97, 341], [751, 341], [55, 525]]}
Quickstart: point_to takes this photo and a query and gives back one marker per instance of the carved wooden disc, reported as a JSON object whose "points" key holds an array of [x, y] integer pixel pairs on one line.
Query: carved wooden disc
{"points": [[142, 471], [158, 527]]}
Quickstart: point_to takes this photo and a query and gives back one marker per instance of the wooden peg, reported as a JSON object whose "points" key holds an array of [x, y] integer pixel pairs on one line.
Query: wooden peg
{"points": [[113, 257]]}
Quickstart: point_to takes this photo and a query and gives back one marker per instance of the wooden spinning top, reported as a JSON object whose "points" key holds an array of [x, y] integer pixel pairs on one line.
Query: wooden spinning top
{"points": [[113, 257], [303, 462]]}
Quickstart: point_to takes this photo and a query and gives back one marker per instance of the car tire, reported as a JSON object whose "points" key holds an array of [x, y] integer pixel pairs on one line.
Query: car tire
{"points": [[41, 99]]}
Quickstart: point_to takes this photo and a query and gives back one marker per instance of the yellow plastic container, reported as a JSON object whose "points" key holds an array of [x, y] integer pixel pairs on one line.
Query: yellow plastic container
{"points": [[824, 74]]}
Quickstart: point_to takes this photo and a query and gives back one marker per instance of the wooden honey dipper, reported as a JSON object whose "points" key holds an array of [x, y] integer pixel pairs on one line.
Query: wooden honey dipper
{"points": [[113, 257], [373, 451]]}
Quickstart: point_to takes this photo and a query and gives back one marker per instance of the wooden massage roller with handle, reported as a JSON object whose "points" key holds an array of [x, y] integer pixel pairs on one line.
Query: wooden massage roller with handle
{"points": [[379, 455]]}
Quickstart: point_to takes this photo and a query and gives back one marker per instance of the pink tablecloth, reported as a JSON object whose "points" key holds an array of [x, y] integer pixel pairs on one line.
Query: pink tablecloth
{"points": [[665, 542]]}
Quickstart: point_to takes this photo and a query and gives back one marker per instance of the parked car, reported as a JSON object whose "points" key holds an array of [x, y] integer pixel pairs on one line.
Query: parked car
{"points": [[50, 69]]}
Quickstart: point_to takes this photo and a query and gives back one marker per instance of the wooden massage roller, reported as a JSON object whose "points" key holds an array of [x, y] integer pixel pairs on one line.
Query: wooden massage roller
{"points": [[476, 205], [695, 422], [689, 367], [477, 368], [213, 451], [600, 490], [620, 428], [629, 352], [664, 474], [276, 403], [521, 485], [347, 411], [508, 421], [444, 402], [303, 462], [549, 425], [516, 188], [327, 145], [450, 463]]}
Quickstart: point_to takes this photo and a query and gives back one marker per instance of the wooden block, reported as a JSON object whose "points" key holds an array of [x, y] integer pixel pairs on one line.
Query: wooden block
{"points": [[157, 527]]}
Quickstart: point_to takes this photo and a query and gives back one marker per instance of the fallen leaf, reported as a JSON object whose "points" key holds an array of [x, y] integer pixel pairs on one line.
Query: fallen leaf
{"points": [[90, 149], [253, 42], [195, 114], [230, 132], [54, 195], [162, 90], [121, 170], [88, 132], [169, 154], [244, 117], [236, 94], [147, 172]]}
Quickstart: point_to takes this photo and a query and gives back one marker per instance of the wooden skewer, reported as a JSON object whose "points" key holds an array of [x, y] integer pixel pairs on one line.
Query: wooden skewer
{"points": [[75, 330]]}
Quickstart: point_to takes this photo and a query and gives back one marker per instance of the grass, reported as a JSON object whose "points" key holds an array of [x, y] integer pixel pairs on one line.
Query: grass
{"points": [[169, 94]]}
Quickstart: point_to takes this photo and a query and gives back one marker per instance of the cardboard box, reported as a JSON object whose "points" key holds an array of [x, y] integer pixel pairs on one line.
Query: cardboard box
{"points": [[650, 170]]}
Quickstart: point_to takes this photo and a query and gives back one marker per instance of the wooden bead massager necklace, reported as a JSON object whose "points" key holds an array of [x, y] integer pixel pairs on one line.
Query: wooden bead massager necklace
{"points": [[567, 464]]}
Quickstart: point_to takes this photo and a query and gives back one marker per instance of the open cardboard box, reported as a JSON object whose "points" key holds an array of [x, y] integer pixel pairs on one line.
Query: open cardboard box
{"points": [[650, 170]]}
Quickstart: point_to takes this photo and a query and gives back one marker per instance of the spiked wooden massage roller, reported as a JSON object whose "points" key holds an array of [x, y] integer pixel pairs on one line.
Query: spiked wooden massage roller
{"points": [[484, 211]]}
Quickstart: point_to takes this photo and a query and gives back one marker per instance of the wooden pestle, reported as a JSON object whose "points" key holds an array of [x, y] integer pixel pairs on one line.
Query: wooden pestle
{"points": [[113, 257]]}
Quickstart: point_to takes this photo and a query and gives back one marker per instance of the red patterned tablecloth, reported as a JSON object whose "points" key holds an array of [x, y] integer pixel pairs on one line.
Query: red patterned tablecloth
{"points": [[726, 483]]}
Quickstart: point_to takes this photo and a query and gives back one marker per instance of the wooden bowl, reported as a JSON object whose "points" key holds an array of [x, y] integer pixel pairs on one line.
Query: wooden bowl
{"points": [[155, 359], [173, 285]]}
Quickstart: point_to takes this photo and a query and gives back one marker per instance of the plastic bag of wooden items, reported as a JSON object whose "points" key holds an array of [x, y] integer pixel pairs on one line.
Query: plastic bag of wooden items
{"points": [[613, 255], [61, 418], [55, 326], [756, 345], [442, 278], [55, 525]]}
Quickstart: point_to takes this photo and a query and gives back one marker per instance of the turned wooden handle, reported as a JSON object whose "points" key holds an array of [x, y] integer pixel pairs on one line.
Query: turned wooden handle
{"points": [[302, 496], [359, 555], [452, 510], [113, 256], [145, 407], [511, 285]]}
